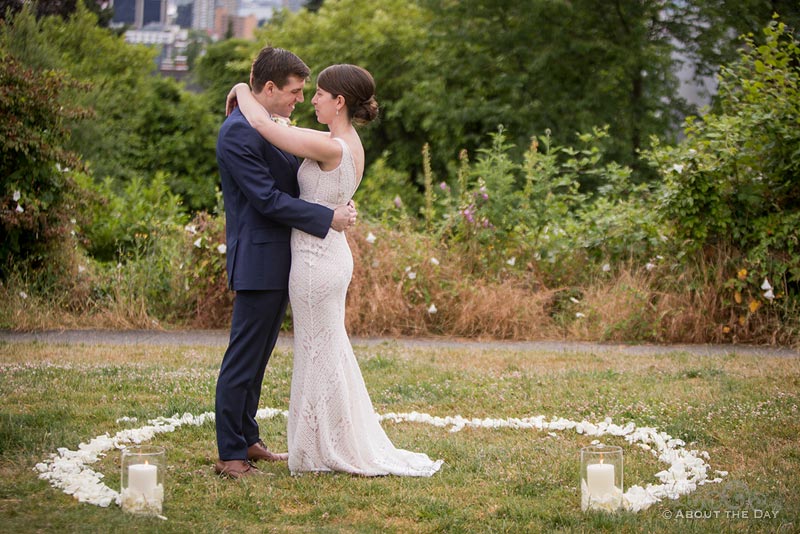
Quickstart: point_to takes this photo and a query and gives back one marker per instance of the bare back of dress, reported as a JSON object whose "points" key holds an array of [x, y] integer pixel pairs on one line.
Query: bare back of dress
{"points": [[332, 425]]}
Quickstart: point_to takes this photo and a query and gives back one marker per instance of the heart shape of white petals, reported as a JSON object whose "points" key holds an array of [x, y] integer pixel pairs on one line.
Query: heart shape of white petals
{"points": [[68, 470]]}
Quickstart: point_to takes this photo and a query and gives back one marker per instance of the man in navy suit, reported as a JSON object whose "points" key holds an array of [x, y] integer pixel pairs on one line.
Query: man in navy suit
{"points": [[259, 186]]}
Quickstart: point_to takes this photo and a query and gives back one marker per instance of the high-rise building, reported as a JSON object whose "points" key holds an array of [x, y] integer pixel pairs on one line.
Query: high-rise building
{"points": [[138, 13], [184, 15], [154, 11], [124, 12], [203, 16], [227, 25], [230, 6]]}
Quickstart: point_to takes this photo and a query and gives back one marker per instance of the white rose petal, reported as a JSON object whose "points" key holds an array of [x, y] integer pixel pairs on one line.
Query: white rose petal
{"points": [[580, 315], [574, 300], [16, 196], [371, 238], [222, 249], [766, 286], [20, 209], [769, 295], [68, 470], [434, 261]]}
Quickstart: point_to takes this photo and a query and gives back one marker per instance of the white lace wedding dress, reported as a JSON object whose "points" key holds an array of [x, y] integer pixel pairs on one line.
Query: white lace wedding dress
{"points": [[332, 425]]}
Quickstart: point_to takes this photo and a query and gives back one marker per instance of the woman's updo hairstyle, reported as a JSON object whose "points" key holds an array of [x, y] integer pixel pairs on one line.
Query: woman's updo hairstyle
{"points": [[357, 87]]}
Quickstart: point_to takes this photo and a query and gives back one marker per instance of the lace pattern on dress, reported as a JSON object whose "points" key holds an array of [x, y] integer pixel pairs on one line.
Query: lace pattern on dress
{"points": [[332, 425]]}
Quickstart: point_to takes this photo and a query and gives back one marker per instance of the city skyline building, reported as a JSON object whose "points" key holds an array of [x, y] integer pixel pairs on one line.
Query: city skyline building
{"points": [[139, 13]]}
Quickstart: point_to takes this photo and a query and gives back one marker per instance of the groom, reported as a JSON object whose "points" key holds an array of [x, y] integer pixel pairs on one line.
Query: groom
{"points": [[259, 186]]}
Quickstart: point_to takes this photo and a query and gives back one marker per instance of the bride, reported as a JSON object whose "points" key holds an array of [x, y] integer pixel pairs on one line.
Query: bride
{"points": [[332, 425]]}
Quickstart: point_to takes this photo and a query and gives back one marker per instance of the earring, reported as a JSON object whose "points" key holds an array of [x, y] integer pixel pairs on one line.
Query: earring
{"points": [[337, 112]]}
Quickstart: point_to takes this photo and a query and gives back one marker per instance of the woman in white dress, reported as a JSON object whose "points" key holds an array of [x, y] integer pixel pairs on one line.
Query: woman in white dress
{"points": [[332, 425]]}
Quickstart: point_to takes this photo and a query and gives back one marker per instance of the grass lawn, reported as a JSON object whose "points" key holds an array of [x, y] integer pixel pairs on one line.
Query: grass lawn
{"points": [[742, 410]]}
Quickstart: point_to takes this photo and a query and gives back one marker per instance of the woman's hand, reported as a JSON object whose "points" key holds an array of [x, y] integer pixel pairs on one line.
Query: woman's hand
{"points": [[230, 101]]}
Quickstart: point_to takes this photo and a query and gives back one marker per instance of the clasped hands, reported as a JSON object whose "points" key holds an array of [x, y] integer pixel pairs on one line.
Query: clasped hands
{"points": [[344, 216]]}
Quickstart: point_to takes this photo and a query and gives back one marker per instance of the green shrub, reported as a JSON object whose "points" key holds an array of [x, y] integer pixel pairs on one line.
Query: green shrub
{"points": [[505, 215], [37, 194], [733, 183]]}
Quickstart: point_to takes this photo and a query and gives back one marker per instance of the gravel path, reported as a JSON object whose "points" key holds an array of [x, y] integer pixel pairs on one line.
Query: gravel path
{"points": [[219, 338]]}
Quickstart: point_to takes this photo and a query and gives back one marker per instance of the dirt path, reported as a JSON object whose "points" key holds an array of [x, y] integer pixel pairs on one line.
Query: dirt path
{"points": [[219, 338]]}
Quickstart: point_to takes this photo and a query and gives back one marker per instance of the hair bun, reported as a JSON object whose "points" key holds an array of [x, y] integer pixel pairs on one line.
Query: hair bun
{"points": [[367, 111]]}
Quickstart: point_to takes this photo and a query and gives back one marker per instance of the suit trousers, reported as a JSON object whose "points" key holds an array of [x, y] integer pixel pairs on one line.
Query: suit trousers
{"points": [[255, 325]]}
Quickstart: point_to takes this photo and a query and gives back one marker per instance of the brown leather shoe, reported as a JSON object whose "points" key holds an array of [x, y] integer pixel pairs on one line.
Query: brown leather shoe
{"points": [[235, 469], [259, 451]]}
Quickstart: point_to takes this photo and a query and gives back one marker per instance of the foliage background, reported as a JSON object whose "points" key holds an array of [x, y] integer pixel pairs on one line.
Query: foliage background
{"points": [[534, 173]]}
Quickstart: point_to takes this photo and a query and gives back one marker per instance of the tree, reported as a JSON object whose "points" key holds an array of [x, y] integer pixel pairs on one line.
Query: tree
{"points": [[61, 8], [734, 183], [141, 123], [389, 40]]}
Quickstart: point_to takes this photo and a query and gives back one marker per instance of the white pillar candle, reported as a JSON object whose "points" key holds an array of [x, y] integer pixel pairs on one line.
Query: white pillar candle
{"points": [[600, 480], [144, 479]]}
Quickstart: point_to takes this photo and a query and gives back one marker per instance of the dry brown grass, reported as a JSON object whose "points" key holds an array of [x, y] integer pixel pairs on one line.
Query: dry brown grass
{"points": [[628, 304], [384, 300]]}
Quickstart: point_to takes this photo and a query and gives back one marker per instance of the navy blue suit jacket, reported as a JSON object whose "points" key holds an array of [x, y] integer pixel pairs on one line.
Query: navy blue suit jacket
{"points": [[259, 186]]}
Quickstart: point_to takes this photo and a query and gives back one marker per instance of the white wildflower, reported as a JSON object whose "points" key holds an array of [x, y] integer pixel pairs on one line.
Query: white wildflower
{"points": [[574, 300], [677, 168], [222, 248], [81, 268], [606, 267], [412, 275], [769, 295], [434, 261], [20, 209], [192, 229], [432, 309], [23, 295], [650, 266], [16, 196], [511, 261], [371, 238], [199, 242], [580, 315], [766, 286]]}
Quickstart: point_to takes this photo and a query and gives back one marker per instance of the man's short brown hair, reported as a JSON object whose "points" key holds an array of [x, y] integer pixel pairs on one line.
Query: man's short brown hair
{"points": [[276, 65]]}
